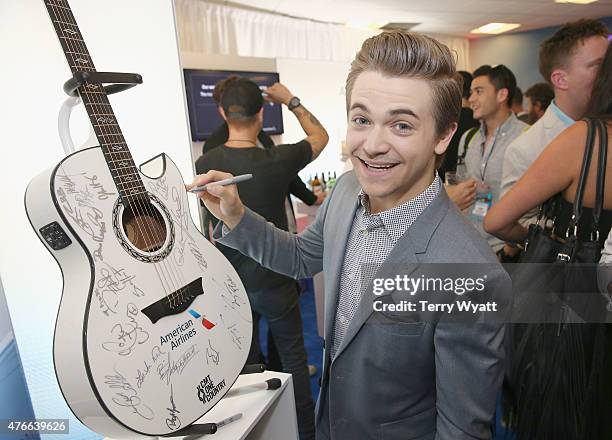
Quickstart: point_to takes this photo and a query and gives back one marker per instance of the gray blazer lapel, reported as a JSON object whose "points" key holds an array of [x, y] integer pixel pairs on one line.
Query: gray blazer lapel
{"points": [[339, 221], [404, 254]]}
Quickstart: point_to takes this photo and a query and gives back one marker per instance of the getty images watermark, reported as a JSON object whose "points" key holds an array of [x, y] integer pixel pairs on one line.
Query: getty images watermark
{"points": [[483, 292], [413, 286], [437, 292]]}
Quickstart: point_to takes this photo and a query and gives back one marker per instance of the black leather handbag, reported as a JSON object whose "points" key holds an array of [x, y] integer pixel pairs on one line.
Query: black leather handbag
{"points": [[555, 370], [556, 278]]}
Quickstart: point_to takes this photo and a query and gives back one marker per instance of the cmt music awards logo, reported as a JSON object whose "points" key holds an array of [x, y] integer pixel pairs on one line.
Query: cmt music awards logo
{"points": [[207, 390], [205, 322]]}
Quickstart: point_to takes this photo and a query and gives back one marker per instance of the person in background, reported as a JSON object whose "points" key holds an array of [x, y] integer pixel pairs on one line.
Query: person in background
{"points": [[604, 276], [272, 295], [539, 96], [568, 61], [385, 375], [517, 106], [577, 415], [466, 121], [297, 187], [463, 191], [491, 96]]}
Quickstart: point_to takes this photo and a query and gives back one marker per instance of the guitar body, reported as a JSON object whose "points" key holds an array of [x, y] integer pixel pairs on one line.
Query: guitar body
{"points": [[154, 325]]}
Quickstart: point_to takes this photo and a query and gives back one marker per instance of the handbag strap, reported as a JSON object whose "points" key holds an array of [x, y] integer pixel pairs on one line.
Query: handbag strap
{"points": [[601, 176], [584, 173]]}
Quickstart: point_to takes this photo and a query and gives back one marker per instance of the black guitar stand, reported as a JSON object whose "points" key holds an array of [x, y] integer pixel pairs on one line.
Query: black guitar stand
{"points": [[198, 429], [118, 82]]}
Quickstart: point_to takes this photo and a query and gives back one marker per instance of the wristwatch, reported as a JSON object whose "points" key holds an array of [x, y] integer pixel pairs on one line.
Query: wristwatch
{"points": [[293, 103]]}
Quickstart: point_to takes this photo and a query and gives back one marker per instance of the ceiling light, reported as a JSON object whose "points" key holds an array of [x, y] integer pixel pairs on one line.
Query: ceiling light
{"points": [[578, 2], [495, 28]]}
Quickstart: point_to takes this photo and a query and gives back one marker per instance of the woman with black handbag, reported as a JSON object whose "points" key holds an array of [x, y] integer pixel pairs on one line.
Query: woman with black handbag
{"points": [[560, 375]]}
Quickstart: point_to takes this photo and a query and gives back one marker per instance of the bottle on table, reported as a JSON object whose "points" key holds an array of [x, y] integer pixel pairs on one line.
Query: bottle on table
{"points": [[331, 181], [315, 185]]}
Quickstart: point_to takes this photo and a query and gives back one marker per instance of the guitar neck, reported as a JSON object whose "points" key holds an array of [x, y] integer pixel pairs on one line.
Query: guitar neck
{"points": [[116, 152]]}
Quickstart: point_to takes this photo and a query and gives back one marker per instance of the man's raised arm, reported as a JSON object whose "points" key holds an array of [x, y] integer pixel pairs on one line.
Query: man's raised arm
{"points": [[316, 135]]}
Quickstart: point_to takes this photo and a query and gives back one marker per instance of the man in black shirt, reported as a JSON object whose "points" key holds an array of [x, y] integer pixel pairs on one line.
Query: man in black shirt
{"points": [[219, 137], [272, 295]]}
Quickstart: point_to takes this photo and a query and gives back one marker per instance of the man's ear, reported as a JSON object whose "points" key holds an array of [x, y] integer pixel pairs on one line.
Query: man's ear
{"points": [[502, 95], [442, 144], [558, 78], [222, 113]]}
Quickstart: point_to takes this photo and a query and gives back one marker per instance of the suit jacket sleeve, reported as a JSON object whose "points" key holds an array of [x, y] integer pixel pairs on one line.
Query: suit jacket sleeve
{"points": [[469, 361], [297, 256]]}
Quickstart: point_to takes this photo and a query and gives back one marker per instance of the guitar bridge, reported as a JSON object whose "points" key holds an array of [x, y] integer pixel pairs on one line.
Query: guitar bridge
{"points": [[174, 303]]}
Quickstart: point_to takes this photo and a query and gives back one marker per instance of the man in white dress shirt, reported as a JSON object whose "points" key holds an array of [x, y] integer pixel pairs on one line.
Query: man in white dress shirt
{"points": [[569, 60]]}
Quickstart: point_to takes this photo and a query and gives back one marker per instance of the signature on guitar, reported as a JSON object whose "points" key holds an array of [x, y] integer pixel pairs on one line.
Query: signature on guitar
{"points": [[128, 396], [172, 421], [126, 335]]}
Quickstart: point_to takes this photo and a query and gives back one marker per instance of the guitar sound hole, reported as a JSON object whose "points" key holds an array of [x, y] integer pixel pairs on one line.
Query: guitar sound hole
{"points": [[144, 226]]}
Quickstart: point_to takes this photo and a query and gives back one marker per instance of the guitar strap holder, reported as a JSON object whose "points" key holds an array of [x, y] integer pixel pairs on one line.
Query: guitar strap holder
{"points": [[118, 82]]}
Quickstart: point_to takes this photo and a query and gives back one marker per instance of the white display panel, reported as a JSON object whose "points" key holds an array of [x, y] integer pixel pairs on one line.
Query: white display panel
{"points": [[124, 36]]}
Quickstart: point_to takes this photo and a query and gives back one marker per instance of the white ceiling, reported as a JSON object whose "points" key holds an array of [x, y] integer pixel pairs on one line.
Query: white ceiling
{"points": [[450, 17]]}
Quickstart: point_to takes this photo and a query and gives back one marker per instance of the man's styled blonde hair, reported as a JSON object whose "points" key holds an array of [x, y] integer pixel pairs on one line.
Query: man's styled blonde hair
{"points": [[399, 53]]}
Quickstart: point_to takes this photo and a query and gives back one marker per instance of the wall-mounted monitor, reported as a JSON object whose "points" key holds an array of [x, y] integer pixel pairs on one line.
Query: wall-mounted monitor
{"points": [[204, 117]]}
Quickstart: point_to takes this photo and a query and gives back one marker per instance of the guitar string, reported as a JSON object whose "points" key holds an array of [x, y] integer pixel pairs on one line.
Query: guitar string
{"points": [[138, 205], [172, 271], [169, 265], [68, 19], [67, 41]]}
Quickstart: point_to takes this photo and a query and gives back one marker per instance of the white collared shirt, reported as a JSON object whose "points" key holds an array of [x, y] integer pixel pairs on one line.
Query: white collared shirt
{"points": [[370, 241], [525, 149]]}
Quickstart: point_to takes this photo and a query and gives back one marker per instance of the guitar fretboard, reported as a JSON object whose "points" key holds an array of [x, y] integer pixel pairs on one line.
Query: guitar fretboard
{"points": [[115, 149]]}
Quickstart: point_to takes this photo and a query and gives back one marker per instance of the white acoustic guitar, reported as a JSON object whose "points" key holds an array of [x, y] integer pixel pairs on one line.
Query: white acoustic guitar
{"points": [[154, 325]]}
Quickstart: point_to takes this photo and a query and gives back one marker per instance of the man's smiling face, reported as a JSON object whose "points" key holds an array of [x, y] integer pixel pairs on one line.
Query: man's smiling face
{"points": [[391, 137]]}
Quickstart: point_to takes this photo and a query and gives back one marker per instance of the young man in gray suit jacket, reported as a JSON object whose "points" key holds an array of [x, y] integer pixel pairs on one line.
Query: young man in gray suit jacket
{"points": [[388, 375]]}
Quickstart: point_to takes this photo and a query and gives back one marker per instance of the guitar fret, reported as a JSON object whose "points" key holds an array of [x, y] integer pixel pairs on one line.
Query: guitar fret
{"points": [[57, 6], [129, 179], [92, 103], [75, 53], [66, 23], [125, 167], [120, 161], [133, 193], [73, 39], [131, 184], [106, 125]]}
